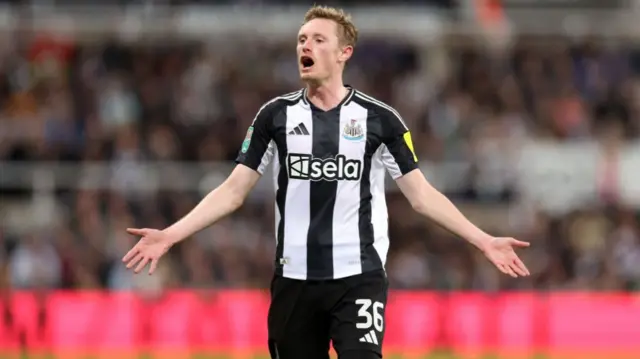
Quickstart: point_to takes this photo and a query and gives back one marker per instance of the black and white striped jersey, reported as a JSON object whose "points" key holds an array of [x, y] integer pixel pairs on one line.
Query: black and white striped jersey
{"points": [[329, 171]]}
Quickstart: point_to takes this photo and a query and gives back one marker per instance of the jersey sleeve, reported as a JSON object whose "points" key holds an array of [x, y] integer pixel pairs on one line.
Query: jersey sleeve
{"points": [[258, 146], [397, 153]]}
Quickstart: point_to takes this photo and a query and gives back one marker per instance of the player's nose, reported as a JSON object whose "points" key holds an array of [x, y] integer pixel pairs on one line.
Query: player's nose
{"points": [[306, 47]]}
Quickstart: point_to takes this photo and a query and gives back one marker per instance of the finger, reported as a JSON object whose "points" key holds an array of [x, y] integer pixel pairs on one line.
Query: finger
{"points": [[127, 257], [502, 268], [153, 266], [517, 243], [509, 271], [514, 266], [138, 257], [138, 231], [521, 265], [142, 264]]}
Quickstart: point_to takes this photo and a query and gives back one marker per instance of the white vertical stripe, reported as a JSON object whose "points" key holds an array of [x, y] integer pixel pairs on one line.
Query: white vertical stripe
{"points": [[297, 206], [346, 232], [379, 213]]}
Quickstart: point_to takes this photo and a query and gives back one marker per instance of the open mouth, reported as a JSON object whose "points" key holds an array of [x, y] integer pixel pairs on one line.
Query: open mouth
{"points": [[306, 62]]}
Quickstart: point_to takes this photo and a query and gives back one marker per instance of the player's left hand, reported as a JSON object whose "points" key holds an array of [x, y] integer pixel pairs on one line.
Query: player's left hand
{"points": [[500, 251]]}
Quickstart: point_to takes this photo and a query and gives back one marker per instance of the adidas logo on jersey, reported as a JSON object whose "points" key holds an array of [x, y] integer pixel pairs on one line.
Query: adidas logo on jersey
{"points": [[306, 167], [301, 129], [370, 338]]}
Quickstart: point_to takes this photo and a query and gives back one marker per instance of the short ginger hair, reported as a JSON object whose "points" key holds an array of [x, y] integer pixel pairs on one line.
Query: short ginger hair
{"points": [[347, 32]]}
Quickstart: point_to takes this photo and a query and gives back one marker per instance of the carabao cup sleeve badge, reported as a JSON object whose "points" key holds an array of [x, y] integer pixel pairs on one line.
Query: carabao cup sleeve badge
{"points": [[247, 140]]}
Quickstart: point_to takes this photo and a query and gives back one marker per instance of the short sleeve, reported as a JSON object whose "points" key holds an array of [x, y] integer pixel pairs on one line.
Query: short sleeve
{"points": [[258, 147], [398, 154]]}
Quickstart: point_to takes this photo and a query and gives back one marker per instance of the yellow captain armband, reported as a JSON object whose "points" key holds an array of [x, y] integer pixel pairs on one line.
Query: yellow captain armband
{"points": [[409, 142]]}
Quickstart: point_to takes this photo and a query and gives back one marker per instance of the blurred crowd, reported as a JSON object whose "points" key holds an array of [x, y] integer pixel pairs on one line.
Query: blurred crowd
{"points": [[126, 104], [438, 3]]}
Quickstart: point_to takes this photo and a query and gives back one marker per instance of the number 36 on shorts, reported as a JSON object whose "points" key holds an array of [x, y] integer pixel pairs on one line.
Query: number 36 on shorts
{"points": [[371, 314]]}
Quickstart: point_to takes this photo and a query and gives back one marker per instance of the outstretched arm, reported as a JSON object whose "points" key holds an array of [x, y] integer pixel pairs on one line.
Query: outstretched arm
{"points": [[219, 203], [255, 154], [428, 201], [401, 161]]}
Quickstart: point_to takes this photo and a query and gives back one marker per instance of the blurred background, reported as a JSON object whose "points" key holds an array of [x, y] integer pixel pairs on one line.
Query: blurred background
{"points": [[125, 113]]}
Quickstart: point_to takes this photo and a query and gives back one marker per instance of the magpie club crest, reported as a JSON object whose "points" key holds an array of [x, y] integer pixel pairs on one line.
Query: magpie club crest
{"points": [[353, 131]]}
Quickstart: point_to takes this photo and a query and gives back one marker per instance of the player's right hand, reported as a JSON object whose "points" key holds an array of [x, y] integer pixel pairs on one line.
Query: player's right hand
{"points": [[150, 248]]}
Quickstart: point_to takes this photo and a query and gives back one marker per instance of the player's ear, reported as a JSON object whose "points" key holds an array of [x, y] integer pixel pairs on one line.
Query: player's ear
{"points": [[346, 53]]}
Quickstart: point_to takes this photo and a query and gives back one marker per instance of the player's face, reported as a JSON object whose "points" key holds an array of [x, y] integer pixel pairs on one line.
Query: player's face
{"points": [[320, 54]]}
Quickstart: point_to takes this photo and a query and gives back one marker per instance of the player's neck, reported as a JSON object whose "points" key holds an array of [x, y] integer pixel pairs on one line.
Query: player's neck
{"points": [[327, 95]]}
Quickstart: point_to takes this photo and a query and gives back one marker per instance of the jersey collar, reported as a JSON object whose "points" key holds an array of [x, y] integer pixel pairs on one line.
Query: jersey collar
{"points": [[345, 101]]}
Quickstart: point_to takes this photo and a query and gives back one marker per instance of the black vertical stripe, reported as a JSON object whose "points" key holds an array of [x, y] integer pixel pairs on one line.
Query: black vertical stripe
{"points": [[297, 130], [326, 144], [304, 129], [280, 124], [369, 257]]}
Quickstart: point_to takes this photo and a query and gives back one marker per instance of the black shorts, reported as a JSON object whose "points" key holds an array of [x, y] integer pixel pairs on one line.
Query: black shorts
{"points": [[305, 316]]}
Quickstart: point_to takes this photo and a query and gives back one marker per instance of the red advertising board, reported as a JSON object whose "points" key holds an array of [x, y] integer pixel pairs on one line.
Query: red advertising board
{"points": [[585, 325]]}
